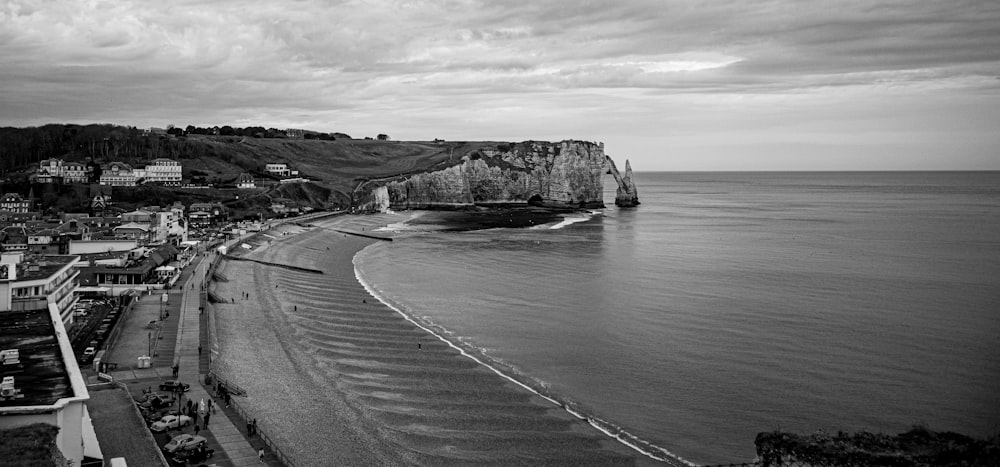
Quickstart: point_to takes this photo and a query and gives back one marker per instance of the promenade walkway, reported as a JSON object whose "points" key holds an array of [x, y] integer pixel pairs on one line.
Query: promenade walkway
{"points": [[190, 354]]}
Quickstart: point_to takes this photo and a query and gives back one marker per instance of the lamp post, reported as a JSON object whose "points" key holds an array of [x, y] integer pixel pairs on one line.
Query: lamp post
{"points": [[150, 340]]}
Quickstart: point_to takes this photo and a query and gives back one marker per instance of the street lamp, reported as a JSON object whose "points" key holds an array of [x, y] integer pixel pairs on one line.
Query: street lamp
{"points": [[150, 340]]}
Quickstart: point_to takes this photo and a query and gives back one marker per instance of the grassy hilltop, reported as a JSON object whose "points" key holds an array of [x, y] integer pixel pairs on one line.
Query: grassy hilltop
{"points": [[335, 167]]}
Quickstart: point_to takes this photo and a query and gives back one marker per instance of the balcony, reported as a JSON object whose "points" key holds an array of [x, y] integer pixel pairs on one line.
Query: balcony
{"points": [[29, 304]]}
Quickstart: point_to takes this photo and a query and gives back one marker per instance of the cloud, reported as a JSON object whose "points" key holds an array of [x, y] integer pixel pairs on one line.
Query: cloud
{"points": [[640, 64]]}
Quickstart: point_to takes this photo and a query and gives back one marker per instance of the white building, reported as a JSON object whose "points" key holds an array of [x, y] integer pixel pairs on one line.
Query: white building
{"points": [[32, 285], [120, 174], [245, 181], [35, 349], [279, 169], [49, 170], [13, 202], [164, 171]]}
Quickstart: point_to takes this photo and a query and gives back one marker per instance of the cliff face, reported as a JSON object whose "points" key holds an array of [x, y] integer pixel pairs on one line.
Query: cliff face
{"points": [[564, 174]]}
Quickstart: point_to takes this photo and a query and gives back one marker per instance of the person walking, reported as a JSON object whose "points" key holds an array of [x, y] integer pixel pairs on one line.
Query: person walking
{"points": [[254, 424], [196, 429], [207, 416], [260, 455]]}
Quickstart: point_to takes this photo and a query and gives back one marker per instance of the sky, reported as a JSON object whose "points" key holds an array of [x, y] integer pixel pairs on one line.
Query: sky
{"points": [[670, 85]]}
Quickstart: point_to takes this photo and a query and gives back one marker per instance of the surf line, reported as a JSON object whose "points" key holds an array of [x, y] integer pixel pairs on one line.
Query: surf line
{"points": [[592, 421]]}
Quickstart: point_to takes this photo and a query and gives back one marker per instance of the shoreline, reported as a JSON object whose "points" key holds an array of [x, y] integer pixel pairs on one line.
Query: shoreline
{"points": [[610, 430], [395, 391]]}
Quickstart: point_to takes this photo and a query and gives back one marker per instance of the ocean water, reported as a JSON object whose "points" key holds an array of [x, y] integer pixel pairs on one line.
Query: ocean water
{"points": [[733, 303]]}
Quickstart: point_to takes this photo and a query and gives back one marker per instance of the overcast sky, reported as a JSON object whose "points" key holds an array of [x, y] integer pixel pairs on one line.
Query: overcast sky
{"points": [[671, 85]]}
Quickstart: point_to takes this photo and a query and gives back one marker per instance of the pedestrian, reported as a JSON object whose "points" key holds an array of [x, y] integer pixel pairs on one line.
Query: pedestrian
{"points": [[249, 428], [196, 428], [199, 350], [260, 455], [211, 408], [296, 308], [232, 299], [255, 426], [207, 416], [194, 418]]}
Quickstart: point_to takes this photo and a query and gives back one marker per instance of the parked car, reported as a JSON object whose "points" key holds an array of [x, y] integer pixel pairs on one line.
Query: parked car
{"points": [[174, 386], [156, 400], [199, 454], [154, 415], [170, 422], [185, 442]]}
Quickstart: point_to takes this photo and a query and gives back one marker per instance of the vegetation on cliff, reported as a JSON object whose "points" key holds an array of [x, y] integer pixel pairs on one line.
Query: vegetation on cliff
{"points": [[917, 447]]}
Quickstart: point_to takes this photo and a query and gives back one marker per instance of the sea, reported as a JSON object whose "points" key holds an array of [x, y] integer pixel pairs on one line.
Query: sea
{"points": [[729, 304]]}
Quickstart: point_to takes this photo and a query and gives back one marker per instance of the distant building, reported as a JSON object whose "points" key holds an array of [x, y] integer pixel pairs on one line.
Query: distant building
{"points": [[279, 169], [58, 171], [14, 203], [295, 133], [119, 174], [245, 180], [164, 171], [139, 269], [203, 214], [13, 238]]}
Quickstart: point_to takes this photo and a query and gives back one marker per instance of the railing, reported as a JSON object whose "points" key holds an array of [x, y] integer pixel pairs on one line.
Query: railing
{"points": [[29, 304], [246, 417]]}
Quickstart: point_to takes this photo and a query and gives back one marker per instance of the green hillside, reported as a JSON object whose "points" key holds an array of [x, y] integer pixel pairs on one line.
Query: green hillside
{"points": [[334, 167]]}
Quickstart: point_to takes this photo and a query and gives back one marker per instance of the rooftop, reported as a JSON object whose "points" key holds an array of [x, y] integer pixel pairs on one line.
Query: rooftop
{"points": [[41, 268], [40, 376]]}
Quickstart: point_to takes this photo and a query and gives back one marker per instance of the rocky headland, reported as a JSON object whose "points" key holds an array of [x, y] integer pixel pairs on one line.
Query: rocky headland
{"points": [[564, 175]]}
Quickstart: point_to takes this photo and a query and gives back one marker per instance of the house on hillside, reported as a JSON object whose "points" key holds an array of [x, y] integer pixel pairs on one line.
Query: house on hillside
{"points": [[58, 171], [164, 171], [119, 174], [279, 169], [245, 181], [14, 203]]}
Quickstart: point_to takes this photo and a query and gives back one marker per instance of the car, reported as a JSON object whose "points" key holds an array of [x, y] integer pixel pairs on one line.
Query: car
{"points": [[89, 352], [170, 422], [151, 415], [174, 386], [156, 400], [199, 454], [185, 442]]}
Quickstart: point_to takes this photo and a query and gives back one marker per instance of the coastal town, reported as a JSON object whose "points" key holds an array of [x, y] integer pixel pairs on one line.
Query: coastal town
{"points": [[103, 309]]}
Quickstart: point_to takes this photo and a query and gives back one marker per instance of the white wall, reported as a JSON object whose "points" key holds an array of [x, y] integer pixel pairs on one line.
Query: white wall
{"points": [[100, 246]]}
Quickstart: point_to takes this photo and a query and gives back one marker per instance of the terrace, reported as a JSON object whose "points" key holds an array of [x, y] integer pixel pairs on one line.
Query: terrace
{"points": [[40, 377]]}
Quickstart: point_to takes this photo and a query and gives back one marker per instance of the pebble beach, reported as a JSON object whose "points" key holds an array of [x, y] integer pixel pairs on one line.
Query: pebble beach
{"points": [[337, 378]]}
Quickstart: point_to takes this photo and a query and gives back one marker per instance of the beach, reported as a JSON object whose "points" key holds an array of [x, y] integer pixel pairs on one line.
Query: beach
{"points": [[337, 378]]}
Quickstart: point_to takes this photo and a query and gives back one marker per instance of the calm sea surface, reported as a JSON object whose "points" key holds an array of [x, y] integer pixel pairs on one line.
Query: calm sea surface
{"points": [[733, 303]]}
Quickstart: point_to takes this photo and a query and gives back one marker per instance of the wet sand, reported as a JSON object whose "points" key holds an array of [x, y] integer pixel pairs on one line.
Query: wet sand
{"points": [[337, 378]]}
